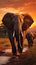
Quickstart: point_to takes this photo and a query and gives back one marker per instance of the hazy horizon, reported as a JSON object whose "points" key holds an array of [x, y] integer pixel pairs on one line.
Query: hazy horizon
{"points": [[18, 6]]}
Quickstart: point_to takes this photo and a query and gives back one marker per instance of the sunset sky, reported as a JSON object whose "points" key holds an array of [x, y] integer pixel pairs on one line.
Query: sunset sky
{"points": [[18, 6]]}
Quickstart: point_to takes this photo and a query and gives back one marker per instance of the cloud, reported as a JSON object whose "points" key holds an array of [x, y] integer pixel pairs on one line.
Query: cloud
{"points": [[26, 6], [16, 3]]}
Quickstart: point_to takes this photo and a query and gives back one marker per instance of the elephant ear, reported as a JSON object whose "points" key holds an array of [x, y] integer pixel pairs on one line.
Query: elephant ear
{"points": [[9, 20], [27, 22]]}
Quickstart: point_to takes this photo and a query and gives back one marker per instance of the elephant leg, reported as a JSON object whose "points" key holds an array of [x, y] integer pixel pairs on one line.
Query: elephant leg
{"points": [[19, 42], [30, 43], [30, 40], [11, 38]]}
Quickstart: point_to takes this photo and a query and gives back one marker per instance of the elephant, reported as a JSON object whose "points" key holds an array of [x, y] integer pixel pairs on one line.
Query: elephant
{"points": [[30, 39], [10, 20]]}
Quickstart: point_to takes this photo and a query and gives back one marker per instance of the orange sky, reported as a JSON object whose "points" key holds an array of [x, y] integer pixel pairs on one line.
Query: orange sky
{"points": [[18, 6]]}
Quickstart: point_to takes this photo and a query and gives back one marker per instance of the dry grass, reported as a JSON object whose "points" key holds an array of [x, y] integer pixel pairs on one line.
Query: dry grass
{"points": [[4, 43], [27, 58]]}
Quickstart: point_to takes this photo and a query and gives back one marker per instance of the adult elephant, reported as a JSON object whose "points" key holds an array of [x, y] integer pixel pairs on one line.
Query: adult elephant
{"points": [[10, 20]]}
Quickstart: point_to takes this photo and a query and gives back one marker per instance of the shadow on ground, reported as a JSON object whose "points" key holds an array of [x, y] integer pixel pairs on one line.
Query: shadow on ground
{"points": [[26, 58]]}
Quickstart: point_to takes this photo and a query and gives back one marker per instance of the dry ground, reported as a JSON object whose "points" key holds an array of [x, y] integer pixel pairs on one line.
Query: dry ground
{"points": [[27, 58]]}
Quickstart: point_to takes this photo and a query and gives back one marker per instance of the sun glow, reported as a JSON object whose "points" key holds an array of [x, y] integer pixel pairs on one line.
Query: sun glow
{"points": [[16, 11]]}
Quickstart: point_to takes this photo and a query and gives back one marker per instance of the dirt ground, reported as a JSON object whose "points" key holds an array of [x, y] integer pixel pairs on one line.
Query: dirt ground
{"points": [[26, 58]]}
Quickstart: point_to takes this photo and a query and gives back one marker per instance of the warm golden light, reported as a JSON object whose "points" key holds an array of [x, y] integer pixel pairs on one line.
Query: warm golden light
{"points": [[17, 11]]}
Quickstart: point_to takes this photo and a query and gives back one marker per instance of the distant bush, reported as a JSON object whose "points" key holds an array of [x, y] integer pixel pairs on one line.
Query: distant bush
{"points": [[3, 34]]}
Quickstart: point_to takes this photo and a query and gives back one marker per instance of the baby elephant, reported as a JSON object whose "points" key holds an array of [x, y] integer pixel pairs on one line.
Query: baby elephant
{"points": [[30, 39]]}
